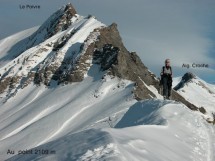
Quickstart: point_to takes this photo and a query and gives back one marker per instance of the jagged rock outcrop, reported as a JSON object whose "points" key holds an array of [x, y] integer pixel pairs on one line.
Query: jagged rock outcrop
{"points": [[109, 52], [126, 65], [59, 21], [62, 21]]}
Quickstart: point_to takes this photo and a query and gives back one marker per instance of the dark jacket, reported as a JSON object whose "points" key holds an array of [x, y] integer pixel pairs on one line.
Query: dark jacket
{"points": [[166, 73]]}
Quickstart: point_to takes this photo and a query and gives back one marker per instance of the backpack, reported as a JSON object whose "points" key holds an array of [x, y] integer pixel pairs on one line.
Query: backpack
{"points": [[169, 67]]}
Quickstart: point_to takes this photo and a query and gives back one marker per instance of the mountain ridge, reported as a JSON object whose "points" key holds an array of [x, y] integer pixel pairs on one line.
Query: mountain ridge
{"points": [[81, 85], [59, 58], [66, 56]]}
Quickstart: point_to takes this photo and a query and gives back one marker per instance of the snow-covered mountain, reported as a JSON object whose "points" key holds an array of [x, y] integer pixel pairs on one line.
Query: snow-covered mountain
{"points": [[197, 91], [70, 90]]}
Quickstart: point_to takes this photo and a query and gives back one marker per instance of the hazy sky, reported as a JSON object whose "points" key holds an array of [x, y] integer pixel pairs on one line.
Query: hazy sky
{"points": [[182, 30]]}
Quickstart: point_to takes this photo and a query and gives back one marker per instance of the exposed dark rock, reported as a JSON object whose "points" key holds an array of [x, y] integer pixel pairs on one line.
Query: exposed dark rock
{"points": [[59, 21], [212, 121], [106, 56], [61, 42], [70, 10], [75, 76], [81, 65], [13, 82], [188, 76], [10, 86], [38, 78], [65, 21], [185, 79], [28, 80], [4, 83], [202, 110], [111, 54]]}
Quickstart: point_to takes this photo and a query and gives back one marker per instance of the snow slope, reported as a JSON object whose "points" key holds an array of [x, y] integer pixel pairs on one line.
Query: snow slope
{"points": [[199, 92], [41, 114], [75, 122], [150, 130], [8, 43]]}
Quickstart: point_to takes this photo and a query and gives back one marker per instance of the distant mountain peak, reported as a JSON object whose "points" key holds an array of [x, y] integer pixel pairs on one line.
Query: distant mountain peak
{"points": [[60, 20], [188, 76], [69, 9], [57, 22]]}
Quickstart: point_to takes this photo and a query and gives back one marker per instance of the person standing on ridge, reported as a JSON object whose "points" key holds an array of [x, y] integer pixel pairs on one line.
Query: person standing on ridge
{"points": [[166, 79]]}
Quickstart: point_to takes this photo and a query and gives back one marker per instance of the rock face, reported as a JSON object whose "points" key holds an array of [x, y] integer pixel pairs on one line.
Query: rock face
{"points": [[125, 64], [58, 21], [62, 21], [110, 53]]}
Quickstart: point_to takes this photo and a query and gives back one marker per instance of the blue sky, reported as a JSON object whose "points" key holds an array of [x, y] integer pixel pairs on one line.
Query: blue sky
{"points": [[182, 30]]}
